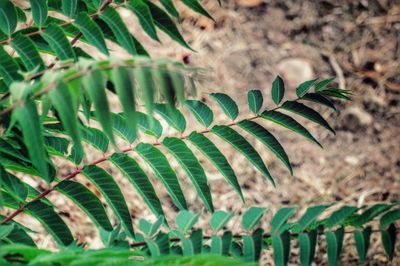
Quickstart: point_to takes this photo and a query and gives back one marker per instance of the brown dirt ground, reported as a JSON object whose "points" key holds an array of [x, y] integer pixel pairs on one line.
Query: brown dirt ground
{"points": [[357, 41]]}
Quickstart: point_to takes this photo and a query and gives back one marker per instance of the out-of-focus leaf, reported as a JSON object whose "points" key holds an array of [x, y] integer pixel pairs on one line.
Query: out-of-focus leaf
{"points": [[252, 216]]}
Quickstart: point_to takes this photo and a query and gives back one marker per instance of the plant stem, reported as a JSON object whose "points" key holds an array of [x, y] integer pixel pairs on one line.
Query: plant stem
{"points": [[102, 159], [105, 158]]}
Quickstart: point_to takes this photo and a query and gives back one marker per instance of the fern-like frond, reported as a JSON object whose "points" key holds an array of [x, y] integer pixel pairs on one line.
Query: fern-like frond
{"points": [[67, 98], [58, 25]]}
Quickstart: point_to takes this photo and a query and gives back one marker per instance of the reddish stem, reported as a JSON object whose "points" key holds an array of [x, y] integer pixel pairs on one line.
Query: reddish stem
{"points": [[80, 169], [102, 159]]}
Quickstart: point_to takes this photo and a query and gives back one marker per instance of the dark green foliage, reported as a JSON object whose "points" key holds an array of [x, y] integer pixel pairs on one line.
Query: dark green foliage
{"points": [[190, 241], [49, 108], [70, 95]]}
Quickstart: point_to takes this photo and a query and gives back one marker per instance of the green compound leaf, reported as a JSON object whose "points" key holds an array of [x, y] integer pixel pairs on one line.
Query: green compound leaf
{"points": [[144, 79], [185, 220], [258, 238], [91, 31], [94, 83], [318, 98], [32, 193], [162, 241], [56, 146], [388, 238], [69, 7], [142, 11], [150, 228], [124, 86], [304, 87], [280, 218], [172, 115], [267, 139], [336, 93], [165, 85], [56, 38], [51, 221], [362, 239], [229, 106], [8, 17], [252, 216], [64, 103], [220, 245], [113, 20], [186, 246], [323, 83], [169, 6], [163, 171], [201, 112], [76, 155], [13, 185], [243, 146], [307, 242], [281, 247], [105, 183], [28, 119], [219, 219], [249, 249], [8, 68], [309, 217], [369, 214], [149, 125], [192, 167], [252, 245], [334, 241], [8, 149], [135, 174], [288, 122], [166, 24], [196, 237], [217, 158], [195, 6], [339, 216], [278, 90], [87, 201], [39, 12], [95, 137], [255, 100], [20, 14], [389, 218], [178, 82], [122, 128], [18, 233], [28, 52], [307, 112]]}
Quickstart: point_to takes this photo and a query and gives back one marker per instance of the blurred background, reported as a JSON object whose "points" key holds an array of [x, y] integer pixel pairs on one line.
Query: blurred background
{"points": [[254, 40]]}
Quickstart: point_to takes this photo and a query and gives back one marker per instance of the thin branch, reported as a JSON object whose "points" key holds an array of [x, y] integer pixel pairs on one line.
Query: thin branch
{"points": [[102, 159]]}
